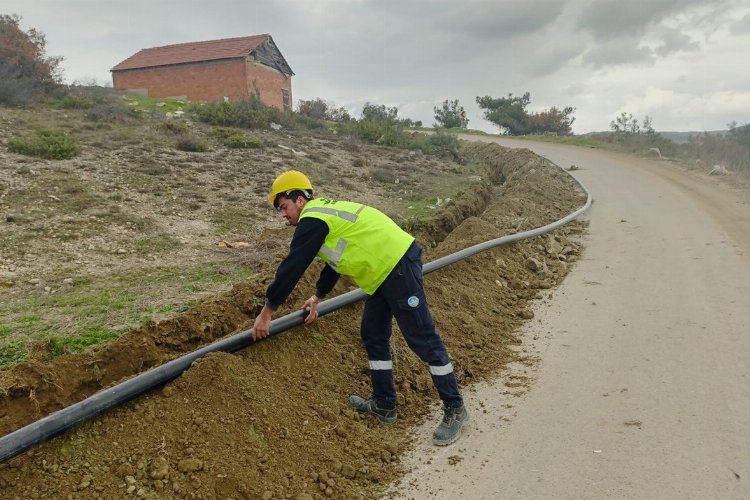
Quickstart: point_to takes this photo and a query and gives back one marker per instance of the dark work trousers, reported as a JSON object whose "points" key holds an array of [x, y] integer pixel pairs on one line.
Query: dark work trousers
{"points": [[402, 296]]}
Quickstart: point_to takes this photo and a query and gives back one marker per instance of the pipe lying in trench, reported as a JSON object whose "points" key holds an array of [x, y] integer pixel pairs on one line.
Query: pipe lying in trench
{"points": [[37, 432]]}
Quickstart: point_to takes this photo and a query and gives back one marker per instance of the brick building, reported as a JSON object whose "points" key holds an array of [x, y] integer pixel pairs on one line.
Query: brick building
{"points": [[233, 68]]}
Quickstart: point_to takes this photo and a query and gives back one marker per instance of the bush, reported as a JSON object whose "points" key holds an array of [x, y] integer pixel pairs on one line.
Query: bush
{"points": [[712, 150], [318, 109], [174, 127], [388, 133], [50, 144], [441, 143], [25, 69], [241, 141], [16, 89], [192, 144], [111, 111], [251, 114], [72, 101]]}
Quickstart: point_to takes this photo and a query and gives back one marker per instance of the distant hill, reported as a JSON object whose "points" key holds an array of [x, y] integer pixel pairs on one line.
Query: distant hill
{"points": [[683, 137], [678, 137]]}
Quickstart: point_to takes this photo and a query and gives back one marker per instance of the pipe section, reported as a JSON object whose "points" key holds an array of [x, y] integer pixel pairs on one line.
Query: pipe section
{"points": [[37, 432]]}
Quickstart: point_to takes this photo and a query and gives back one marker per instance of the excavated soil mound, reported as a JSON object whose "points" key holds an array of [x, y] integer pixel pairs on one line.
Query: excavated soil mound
{"points": [[272, 421]]}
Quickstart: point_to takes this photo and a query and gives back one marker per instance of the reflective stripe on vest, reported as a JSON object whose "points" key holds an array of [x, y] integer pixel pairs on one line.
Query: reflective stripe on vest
{"points": [[351, 217], [334, 256], [362, 242]]}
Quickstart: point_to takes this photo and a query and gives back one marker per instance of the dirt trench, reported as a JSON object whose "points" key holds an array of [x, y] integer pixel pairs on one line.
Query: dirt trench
{"points": [[272, 421]]}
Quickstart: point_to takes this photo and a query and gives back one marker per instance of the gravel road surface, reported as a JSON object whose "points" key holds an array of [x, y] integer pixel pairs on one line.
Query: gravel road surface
{"points": [[643, 385]]}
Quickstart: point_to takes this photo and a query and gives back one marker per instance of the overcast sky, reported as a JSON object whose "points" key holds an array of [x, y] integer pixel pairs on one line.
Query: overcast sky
{"points": [[685, 63]]}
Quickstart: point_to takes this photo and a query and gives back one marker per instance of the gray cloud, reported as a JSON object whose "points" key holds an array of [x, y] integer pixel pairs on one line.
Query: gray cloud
{"points": [[414, 54], [741, 27], [616, 52], [608, 19], [673, 41]]}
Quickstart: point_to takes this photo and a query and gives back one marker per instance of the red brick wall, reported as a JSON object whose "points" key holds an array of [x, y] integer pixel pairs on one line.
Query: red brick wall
{"points": [[269, 83], [208, 81]]}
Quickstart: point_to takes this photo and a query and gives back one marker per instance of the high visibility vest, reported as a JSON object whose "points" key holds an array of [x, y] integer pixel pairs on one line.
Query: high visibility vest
{"points": [[362, 242]]}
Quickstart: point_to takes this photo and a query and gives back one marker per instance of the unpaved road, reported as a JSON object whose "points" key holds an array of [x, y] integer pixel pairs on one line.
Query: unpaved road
{"points": [[643, 386]]}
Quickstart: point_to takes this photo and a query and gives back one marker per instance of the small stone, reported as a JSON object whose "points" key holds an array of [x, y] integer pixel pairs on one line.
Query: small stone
{"points": [[125, 470], [190, 465], [34, 281], [68, 281], [267, 495], [533, 264], [159, 468], [348, 471]]}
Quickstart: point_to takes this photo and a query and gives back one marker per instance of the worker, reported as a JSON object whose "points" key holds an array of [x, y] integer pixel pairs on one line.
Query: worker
{"points": [[386, 262]]}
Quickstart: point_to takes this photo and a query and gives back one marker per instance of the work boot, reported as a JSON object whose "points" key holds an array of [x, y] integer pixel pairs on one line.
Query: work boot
{"points": [[449, 429], [370, 407]]}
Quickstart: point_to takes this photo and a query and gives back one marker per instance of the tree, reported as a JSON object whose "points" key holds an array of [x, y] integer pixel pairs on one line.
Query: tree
{"points": [[552, 121], [25, 70], [508, 113], [451, 115], [318, 109], [379, 113], [625, 124]]}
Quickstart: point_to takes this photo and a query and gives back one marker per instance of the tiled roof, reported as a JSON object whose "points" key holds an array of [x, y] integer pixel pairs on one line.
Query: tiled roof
{"points": [[210, 50]]}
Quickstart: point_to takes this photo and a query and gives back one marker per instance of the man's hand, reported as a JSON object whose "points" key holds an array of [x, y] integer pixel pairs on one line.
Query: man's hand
{"points": [[312, 304], [262, 324]]}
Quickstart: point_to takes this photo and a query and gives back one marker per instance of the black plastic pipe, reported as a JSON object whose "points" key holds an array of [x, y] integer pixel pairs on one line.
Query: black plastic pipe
{"points": [[37, 432]]}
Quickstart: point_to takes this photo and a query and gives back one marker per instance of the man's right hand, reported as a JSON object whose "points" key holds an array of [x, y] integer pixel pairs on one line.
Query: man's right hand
{"points": [[262, 324]]}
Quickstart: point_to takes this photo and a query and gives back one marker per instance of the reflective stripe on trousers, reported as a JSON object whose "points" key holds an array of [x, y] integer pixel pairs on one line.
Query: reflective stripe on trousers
{"points": [[402, 296]]}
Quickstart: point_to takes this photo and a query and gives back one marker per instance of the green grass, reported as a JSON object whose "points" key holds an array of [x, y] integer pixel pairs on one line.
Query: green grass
{"points": [[82, 317], [11, 353], [573, 140], [418, 213], [153, 104], [90, 336]]}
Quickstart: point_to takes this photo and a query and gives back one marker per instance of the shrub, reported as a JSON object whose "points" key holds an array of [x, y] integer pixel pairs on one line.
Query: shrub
{"points": [[25, 70], [16, 89], [318, 109], [72, 101], [110, 111], [51, 144], [222, 133], [241, 141], [251, 114], [192, 144], [441, 143], [174, 127]]}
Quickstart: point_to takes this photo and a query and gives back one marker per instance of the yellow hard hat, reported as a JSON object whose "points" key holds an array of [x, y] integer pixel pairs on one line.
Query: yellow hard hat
{"points": [[290, 180]]}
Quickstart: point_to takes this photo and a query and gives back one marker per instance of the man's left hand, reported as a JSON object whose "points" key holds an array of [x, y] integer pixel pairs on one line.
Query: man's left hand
{"points": [[312, 304]]}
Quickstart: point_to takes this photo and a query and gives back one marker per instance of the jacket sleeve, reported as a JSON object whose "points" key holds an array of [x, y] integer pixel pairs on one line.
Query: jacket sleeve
{"points": [[326, 282], [307, 240]]}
